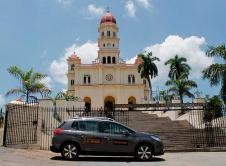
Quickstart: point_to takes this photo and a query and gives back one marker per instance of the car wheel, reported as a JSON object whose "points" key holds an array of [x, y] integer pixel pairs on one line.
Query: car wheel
{"points": [[70, 151], [144, 152]]}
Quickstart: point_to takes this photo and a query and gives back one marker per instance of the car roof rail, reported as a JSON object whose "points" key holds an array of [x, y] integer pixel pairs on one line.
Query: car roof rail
{"points": [[100, 118]]}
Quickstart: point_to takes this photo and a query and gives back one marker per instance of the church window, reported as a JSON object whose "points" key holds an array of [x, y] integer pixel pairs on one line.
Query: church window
{"points": [[87, 79], [102, 33], [113, 45], [108, 33], [72, 82], [104, 45], [113, 59], [104, 60], [109, 59], [131, 79], [72, 67]]}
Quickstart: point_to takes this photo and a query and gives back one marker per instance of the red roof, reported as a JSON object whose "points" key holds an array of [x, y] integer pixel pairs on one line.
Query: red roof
{"points": [[108, 17]]}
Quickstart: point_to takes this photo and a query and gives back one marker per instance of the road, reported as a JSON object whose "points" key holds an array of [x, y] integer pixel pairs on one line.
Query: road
{"points": [[19, 157]]}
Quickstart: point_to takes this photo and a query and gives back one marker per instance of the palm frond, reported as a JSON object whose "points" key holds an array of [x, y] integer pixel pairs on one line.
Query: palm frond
{"points": [[15, 91]]}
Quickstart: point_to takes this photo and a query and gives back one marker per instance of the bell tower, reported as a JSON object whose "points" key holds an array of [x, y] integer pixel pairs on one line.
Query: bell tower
{"points": [[108, 41]]}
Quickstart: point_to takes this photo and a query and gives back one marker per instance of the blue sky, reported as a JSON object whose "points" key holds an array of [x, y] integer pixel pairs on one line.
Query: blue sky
{"points": [[41, 33]]}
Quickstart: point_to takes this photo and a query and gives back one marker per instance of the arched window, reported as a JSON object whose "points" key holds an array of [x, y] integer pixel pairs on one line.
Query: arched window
{"points": [[102, 33], [104, 45], [133, 79], [109, 59], [72, 67], [129, 79], [113, 45], [104, 60], [72, 82], [113, 59]]}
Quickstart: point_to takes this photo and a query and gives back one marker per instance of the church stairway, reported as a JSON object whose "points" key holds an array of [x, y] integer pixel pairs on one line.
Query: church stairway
{"points": [[174, 134]]}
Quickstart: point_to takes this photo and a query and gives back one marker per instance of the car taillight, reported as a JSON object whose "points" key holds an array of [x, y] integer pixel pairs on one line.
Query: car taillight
{"points": [[57, 131]]}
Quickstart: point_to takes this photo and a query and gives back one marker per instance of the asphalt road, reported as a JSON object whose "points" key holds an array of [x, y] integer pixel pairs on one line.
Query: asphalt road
{"points": [[18, 157]]}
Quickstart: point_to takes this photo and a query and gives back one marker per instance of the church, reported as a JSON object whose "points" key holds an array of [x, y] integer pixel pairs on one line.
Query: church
{"points": [[108, 80]]}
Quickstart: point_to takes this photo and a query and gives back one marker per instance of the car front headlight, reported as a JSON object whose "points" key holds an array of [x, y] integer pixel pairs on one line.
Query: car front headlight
{"points": [[156, 138]]}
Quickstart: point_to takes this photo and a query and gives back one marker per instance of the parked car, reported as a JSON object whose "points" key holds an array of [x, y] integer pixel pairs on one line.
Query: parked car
{"points": [[103, 136]]}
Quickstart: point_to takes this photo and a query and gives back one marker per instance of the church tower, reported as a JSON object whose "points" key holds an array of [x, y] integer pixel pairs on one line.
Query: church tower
{"points": [[108, 41]]}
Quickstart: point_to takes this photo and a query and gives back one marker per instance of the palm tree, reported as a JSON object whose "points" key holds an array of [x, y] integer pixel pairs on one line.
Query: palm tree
{"points": [[148, 68], [164, 95], [30, 82], [178, 66], [216, 73], [181, 86]]}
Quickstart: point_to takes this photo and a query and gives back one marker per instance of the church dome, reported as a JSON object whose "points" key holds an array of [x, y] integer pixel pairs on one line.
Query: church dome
{"points": [[108, 17]]}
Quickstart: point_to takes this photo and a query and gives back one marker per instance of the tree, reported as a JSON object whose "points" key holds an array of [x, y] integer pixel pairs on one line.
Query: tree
{"points": [[164, 95], [216, 73], [214, 109], [178, 67], [148, 69], [181, 86], [30, 82]]}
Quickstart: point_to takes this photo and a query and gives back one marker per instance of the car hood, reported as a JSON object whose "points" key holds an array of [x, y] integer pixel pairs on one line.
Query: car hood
{"points": [[144, 134]]}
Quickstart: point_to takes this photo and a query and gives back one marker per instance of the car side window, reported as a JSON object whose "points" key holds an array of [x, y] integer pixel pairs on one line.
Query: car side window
{"points": [[113, 128], [87, 126], [75, 125]]}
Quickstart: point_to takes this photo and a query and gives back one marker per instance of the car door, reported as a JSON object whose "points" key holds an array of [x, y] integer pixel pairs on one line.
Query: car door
{"points": [[116, 138], [90, 138]]}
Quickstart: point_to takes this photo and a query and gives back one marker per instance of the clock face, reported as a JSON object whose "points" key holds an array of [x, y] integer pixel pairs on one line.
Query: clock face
{"points": [[109, 77]]}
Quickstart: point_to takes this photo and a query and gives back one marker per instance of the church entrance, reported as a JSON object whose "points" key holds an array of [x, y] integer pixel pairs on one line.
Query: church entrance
{"points": [[87, 101], [131, 100], [109, 103]]}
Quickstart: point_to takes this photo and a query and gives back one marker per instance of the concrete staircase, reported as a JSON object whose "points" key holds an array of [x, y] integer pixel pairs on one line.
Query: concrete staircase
{"points": [[174, 134]]}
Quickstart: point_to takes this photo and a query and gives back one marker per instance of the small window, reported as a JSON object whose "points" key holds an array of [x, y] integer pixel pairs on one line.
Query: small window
{"points": [[108, 33], [104, 60], [87, 79], [88, 126], [84, 80], [129, 79], [113, 45], [109, 59], [113, 60], [102, 33], [72, 82], [72, 67], [104, 45]]}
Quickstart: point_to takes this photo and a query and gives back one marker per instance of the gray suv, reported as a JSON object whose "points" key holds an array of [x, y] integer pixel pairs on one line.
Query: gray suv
{"points": [[103, 136]]}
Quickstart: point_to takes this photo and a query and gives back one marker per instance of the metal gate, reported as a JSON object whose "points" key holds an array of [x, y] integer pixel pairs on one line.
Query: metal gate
{"points": [[21, 122]]}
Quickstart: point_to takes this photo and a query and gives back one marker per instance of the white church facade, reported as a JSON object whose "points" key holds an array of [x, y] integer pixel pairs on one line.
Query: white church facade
{"points": [[108, 80]]}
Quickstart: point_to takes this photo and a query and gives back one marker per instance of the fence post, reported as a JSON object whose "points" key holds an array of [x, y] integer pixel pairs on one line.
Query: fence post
{"points": [[5, 126]]}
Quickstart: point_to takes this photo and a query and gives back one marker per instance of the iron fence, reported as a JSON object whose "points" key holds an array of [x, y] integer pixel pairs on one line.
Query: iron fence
{"points": [[197, 126]]}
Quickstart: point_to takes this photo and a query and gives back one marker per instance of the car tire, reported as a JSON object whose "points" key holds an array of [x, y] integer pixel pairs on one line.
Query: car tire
{"points": [[144, 152], [70, 151]]}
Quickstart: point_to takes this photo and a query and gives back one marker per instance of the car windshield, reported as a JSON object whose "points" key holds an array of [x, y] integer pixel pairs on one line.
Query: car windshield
{"points": [[113, 128]]}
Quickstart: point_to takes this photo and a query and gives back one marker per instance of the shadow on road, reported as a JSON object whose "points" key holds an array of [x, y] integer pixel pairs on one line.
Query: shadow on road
{"points": [[109, 159]]}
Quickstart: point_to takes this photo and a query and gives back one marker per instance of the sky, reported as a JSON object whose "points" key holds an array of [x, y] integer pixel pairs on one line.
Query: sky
{"points": [[43, 33]]}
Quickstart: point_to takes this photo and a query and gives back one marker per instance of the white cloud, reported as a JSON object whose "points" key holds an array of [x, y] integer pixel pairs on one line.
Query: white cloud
{"points": [[190, 48], [130, 8], [95, 11], [87, 52], [65, 2], [144, 3], [2, 100], [48, 82]]}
